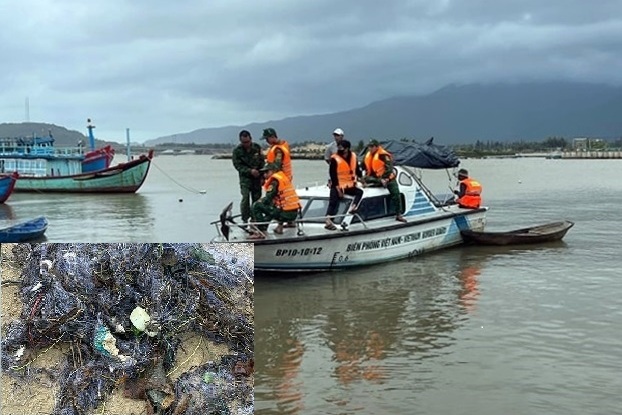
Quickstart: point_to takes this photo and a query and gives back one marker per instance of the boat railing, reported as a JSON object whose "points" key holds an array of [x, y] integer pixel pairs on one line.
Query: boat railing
{"points": [[14, 149], [299, 222]]}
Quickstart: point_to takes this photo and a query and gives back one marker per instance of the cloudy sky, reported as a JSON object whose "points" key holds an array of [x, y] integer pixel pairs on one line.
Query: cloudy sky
{"points": [[161, 67]]}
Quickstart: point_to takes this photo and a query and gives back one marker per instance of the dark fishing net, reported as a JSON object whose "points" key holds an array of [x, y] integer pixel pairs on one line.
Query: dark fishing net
{"points": [[83, 295]]}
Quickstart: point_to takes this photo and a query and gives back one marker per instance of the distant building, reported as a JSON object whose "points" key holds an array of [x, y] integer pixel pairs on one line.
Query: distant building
{"points": [[584, 144]]}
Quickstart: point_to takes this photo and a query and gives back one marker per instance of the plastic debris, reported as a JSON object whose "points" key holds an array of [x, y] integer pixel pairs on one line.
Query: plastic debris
{"points": [[140, 318]]}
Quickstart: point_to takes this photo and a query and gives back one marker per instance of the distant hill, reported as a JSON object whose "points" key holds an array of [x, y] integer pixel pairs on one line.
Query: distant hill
{"points": [[454, 115], [62, 136]]}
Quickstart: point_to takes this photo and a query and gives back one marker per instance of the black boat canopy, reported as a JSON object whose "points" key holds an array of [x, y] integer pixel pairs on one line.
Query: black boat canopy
{"points": [[420, 155]]}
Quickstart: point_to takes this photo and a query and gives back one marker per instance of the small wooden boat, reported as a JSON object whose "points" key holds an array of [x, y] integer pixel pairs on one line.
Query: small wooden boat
{"points": [[24, 231], [549, 232], [7, 183]]}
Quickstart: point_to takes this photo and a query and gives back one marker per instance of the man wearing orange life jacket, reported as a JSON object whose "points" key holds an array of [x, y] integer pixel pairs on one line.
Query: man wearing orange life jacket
{"points": [[379, 170], [280, 203], [278, 153], [344, 172], [469, 196]]}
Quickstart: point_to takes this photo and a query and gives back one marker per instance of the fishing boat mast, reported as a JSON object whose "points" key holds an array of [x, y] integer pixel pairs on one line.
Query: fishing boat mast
{"points": [[90, 127]]}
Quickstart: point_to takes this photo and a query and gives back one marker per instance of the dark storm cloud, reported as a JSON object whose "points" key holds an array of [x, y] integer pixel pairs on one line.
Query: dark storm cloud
{"points": [[164, 67]]}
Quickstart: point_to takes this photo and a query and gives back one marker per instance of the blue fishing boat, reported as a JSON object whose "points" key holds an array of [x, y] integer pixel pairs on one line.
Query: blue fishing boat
{"points": [[45, 168], [25, 231], [7, 184]]}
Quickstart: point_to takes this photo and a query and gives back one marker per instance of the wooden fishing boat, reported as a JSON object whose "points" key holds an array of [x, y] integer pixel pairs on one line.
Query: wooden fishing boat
{"points": [[121, 178], [24, 231], [7, 183], [549, 232], [42, 167]]}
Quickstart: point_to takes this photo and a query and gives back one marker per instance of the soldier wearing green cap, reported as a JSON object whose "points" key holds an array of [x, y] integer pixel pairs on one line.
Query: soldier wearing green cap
{"points": [[278, 152], [379, 171], [248, 160], [280, 202]]}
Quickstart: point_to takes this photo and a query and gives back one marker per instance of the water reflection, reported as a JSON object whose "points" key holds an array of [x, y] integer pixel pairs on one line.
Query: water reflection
{"points": [[323, 338], [6, 212], [88, 218]]}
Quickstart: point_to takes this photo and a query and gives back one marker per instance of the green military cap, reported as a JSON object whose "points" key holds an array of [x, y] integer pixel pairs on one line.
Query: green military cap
{"points": [[270, 166], [268, 132]]}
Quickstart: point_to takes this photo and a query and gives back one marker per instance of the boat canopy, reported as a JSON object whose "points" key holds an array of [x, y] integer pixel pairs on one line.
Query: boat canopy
{"points": [[420, 155]]}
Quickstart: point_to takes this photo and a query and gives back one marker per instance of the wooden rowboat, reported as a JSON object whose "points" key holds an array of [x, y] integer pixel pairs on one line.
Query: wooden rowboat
{"points": [[549, 232], [24, 231]]}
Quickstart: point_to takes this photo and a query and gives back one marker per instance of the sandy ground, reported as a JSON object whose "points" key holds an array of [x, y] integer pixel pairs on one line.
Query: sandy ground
{"points": [[36, 395]]}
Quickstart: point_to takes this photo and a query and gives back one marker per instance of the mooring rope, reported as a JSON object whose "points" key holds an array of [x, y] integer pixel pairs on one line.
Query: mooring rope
{"points": [[188, 188]]}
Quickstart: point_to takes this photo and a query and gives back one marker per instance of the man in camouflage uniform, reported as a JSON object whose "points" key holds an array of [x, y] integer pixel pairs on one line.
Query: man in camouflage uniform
{"points": [[248, 160], [267, 208]]}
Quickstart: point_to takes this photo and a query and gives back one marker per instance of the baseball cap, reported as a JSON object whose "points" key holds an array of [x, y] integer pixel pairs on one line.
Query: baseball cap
{"points": [[373, 142], [338, 131]]}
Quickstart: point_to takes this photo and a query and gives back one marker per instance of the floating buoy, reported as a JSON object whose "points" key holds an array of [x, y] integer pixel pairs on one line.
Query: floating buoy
{"points": [[181, 200]]}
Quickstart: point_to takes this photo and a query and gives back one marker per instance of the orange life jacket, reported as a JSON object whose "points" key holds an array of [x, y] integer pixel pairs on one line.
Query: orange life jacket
{"points": [[346, 173], [374, 164], [472, 196], [287, 159], [286, 199]]}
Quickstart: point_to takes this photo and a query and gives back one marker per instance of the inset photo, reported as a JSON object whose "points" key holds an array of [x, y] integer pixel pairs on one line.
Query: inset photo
{"points": [[127, 328]]}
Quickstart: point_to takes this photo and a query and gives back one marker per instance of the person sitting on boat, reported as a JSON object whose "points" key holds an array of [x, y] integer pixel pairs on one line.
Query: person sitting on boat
{"points": [[248, 160], [344, 172], [379, 171], [278, 152], [469, 195], [280, 202], [331, 148]]}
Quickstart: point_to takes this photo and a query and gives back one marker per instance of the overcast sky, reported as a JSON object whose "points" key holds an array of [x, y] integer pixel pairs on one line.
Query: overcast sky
{"points": [[164, 67]]}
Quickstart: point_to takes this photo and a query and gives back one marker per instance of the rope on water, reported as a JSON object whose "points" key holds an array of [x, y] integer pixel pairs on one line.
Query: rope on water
{"points": [[188, 188]]}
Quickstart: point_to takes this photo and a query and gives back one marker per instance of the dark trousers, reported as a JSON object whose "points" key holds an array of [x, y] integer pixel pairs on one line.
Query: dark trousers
{"points": [[333, 202]]}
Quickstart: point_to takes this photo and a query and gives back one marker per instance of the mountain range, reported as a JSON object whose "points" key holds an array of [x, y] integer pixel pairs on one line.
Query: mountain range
{"points": [[454, 114]]}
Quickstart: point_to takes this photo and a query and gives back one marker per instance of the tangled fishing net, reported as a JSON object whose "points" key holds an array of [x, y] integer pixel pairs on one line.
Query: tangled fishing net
{"points": [[122, 309]]}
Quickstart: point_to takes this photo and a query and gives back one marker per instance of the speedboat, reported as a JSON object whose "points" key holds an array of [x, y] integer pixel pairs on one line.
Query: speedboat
{"points": [[371, 235]]}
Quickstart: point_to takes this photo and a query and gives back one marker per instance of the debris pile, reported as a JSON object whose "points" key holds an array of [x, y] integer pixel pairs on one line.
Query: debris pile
{"points": [[123, 309]]}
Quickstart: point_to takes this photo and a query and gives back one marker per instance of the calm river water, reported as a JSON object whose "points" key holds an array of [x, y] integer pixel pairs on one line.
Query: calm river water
{"points": [[470, 330]]}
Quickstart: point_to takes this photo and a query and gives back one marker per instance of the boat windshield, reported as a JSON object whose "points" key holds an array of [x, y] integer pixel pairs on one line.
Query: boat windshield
{"points": [[314, 209], [376, 207]]}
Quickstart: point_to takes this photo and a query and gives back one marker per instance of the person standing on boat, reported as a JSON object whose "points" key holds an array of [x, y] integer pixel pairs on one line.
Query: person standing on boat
{"points": [[379, 171], [332, 147], [344, 172], [280, 202], [248, 160], [469, 195], [278, 152]]}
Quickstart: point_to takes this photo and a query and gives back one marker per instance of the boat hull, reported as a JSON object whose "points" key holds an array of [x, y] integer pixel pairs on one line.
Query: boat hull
{"points": [[7, 184], [122, 178], [26, 231], [359, 247], [549, 232]]}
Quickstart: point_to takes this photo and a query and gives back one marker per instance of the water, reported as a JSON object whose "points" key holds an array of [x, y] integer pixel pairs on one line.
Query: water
{"points": [[520, 330], [168, 207], [486, 330]]}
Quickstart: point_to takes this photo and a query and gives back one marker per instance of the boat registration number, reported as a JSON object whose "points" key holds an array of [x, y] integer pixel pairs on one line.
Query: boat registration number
{"points": [[316, 250]]}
